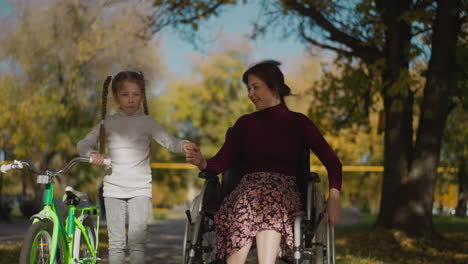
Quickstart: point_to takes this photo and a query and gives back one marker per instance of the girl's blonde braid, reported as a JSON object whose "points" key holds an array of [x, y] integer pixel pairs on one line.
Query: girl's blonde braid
{"points": [[102, 129]]}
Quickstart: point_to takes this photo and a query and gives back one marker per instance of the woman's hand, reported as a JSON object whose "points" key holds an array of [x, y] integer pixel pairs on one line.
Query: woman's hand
{"points": [[195, 157], [96, 158], [334, 207]]}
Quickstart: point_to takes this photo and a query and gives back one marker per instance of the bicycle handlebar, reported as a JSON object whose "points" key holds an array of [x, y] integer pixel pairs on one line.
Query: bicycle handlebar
{"points": [[15, 165], [19, 164]]}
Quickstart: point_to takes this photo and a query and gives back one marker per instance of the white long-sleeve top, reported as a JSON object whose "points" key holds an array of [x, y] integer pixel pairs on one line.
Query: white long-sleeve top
{"points": [[128, 138]]}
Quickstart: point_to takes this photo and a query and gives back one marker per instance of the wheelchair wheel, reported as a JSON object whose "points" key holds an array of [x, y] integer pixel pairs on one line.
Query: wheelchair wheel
{"points": [[186, 243], [321, 233], [199, 245], [204, 250], [192, 230], [208, 240]]}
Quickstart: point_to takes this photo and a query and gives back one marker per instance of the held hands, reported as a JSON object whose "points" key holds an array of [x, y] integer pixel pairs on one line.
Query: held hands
{"points": [[194, 156], [334, 207]]}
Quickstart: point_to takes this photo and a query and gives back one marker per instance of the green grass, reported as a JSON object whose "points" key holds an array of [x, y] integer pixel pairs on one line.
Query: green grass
{"points": [[450, 224], [9, 252], [441, 224], [367, 222], [361, 243]]}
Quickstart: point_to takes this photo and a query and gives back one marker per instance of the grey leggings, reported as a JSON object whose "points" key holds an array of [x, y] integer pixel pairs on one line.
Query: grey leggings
{"points": [[137, 209]]}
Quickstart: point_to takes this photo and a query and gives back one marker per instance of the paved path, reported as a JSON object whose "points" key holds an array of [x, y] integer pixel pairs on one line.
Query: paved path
{"points": [[164, 244], [164, 240], [13, 231]]}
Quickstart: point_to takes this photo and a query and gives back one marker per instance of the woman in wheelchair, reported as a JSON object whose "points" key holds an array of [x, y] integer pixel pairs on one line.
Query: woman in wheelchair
{"points": [[266, 144]]}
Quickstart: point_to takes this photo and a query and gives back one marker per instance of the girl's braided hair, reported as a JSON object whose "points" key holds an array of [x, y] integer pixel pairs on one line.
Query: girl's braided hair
{"points": [[117, 81]]}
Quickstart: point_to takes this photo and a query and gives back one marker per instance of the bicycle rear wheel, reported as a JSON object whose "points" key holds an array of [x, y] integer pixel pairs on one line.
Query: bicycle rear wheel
{"points": [[80, 247], [37, 244]]}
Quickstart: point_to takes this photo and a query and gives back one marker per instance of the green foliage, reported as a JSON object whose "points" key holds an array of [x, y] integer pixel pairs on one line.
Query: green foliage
{"points": [[460, 94], [54, 56], [454, 154], [354, 144], [210, 104], [455, 147], [169, 187], [347, 96]]}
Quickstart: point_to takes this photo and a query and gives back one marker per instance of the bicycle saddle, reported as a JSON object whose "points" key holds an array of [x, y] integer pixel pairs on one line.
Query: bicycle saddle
{"points": [[73, 196]]}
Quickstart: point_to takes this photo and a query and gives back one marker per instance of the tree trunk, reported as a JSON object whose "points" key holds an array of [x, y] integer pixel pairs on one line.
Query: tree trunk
{"points": [[398, 104], [413, 212], [462, 189]]}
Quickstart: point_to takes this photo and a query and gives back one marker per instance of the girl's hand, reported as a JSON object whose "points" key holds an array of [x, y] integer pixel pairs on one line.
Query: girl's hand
{"points": [[96, 158], [195, 157], [334, 207], [188, 147]]}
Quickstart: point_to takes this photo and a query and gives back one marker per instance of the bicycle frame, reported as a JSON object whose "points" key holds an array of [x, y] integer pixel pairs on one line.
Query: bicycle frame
{"points": [[65, 235]]}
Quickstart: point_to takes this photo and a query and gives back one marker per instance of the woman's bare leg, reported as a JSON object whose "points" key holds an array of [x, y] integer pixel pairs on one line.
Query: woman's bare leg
{"points": [[240, 256], [268, 243]]}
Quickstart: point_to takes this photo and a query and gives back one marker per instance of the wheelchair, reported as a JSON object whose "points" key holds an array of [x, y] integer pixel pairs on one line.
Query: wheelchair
{"points": [[314, 241]]}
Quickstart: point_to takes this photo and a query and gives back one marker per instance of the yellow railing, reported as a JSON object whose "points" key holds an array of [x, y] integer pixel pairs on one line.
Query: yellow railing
{"points": [[357, 168], [348, 168]]}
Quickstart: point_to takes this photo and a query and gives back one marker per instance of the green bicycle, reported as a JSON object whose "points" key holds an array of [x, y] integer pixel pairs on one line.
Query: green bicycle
{"points": [[48, 240]]}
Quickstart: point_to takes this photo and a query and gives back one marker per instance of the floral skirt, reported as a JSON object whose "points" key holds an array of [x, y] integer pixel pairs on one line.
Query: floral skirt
{"points": [[261, 201]]}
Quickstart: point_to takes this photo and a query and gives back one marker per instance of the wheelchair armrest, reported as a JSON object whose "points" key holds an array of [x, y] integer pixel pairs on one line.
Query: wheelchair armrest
{"points": [[312, 177], [207, 175]]}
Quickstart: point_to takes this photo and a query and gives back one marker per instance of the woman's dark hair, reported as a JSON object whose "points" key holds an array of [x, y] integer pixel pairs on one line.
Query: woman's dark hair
{"points": [[269, 72], [117, 81]]}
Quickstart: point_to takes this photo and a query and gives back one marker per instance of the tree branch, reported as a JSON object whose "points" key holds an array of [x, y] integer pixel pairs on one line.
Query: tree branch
{"points": [[422, 4], [321, 45], [206, 12], [421, 31], [360, 49]]}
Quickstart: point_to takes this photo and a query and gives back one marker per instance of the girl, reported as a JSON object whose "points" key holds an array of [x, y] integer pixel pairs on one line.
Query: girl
{"points": [[127, 184]]}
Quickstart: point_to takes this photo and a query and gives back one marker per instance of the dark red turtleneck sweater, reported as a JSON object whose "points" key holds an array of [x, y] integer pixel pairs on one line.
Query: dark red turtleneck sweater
{"points": [[270, 140]]}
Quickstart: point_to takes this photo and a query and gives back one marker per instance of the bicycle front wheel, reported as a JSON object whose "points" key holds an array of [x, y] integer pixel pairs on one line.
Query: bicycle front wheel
{"points": [[81, 250], [37, 244]]}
